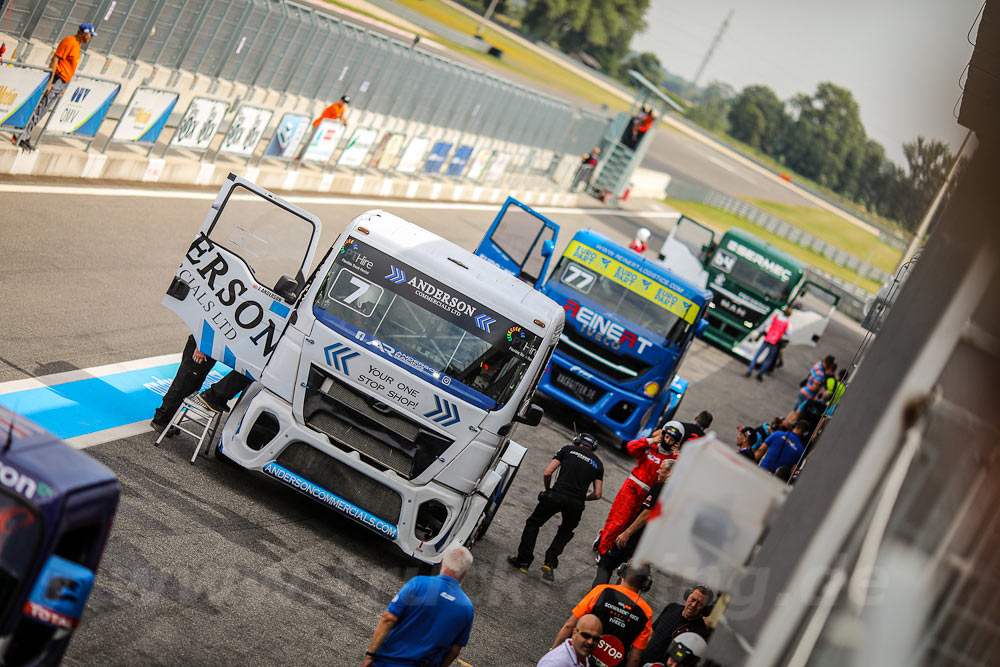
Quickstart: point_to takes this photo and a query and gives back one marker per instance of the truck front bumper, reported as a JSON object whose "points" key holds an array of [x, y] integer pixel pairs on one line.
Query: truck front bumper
{"points": [[421, 519]]}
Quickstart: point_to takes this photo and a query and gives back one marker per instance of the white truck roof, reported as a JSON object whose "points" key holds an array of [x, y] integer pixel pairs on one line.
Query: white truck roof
{"points": [[474, 276]]}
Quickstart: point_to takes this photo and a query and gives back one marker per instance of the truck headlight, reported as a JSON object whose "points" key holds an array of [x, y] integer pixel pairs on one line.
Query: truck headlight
{"points": [[651, 389], [431, 516]]}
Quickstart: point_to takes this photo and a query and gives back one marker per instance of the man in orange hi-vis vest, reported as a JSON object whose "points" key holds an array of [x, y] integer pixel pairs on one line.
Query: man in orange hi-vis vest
{"points": [[63, 66]]}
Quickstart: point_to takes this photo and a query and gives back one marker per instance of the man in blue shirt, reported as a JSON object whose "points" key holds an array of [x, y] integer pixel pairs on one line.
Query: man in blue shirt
{"points": [[784, 448], [429, 620]]}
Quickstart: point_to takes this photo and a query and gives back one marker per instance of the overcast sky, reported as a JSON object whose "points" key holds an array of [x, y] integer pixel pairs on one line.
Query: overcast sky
{"points": [[902, 59]]}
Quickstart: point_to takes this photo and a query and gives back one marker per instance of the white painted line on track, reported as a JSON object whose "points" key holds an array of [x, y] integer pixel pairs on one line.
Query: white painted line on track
{"points": [[725, 165], [107, 435], [53, 379], [313, 199]]}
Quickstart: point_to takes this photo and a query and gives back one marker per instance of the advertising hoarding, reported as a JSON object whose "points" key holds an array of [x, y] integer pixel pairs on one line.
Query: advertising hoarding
{"points": [[246, 130], [200, 123], [83, 105], [287, 136], [145, 116], [357, 148], [20, 90], [324, 141], [413, 155]]}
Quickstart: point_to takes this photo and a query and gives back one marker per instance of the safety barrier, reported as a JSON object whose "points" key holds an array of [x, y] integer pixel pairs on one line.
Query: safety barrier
{"points": [[777, 226], [251, 74]]}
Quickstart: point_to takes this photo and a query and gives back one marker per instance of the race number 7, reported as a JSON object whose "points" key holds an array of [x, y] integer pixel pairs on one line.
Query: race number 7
{"points": [[576, 277], [362, 287]]}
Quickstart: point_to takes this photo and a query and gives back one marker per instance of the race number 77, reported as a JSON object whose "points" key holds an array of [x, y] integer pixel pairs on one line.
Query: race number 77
{"points": [[576, 277]]}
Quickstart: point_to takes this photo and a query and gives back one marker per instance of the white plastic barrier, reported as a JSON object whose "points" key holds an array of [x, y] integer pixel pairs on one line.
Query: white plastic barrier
{"points": [[649, 183]]}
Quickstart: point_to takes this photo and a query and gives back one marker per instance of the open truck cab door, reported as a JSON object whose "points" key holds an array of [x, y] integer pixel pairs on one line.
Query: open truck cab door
{"points": [[812, 309], [520, 241], [686, 250], [242, 274]]}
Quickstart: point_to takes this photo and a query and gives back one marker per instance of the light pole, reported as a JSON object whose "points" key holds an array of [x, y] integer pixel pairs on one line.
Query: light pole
{"points": [[486, 17]]}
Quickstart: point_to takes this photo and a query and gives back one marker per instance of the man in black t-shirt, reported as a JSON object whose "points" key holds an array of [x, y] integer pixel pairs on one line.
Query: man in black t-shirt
{"points": [[579, 468], [696, 429], [676, 619]]}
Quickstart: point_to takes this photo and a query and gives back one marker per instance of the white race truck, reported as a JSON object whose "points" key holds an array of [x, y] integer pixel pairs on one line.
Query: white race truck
{"points": [[389, 380]]}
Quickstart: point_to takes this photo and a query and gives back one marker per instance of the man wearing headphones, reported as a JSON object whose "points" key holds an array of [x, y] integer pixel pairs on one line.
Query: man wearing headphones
{"points": [[579, 468], [677, 619], [648, 453], [624, 615]]}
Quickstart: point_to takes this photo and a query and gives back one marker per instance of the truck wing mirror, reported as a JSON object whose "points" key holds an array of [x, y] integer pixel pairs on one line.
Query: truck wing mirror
{"points": [[533, 416], [699, 329], [60, 593], [287, 288], [548, 247]]}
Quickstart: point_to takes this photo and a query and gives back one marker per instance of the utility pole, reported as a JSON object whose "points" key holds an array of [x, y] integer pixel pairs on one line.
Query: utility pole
{"points": [[486, 17], [711, 48]]}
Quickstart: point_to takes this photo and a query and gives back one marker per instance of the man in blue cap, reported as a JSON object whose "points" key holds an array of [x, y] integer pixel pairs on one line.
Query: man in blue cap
{"points": [[63, 65]]}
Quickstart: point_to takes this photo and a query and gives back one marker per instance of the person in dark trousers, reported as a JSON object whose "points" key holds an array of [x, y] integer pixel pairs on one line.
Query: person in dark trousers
{"points": [[191, 374], [628, 539], [579, 468], [63, 65], [676, 619], [429, 620], [586, 168], [623, 612], [696, 429]]}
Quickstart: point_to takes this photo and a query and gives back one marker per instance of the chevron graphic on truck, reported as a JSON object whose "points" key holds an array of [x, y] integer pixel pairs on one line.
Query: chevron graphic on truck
{"points": [[444, 413], [484, 321], [396, 275], [337, 356]]}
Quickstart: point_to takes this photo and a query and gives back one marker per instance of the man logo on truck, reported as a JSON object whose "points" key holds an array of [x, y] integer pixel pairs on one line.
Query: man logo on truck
{"points": [[614, 332]]}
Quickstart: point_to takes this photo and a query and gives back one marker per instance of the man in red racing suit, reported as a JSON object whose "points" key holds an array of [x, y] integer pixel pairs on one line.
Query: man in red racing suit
{"points": [[649, 453]]}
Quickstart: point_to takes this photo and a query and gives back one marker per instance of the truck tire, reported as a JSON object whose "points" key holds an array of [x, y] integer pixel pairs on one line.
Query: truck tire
{"points": [[486, 518]]}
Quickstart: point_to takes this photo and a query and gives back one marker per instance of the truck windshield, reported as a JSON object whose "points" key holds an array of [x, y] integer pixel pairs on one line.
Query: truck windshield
{"points": [[619, 299], [427, 328], [748, 274]]}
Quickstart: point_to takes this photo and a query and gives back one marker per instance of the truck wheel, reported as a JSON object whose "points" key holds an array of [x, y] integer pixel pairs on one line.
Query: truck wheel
{"points": [[491, 509]]}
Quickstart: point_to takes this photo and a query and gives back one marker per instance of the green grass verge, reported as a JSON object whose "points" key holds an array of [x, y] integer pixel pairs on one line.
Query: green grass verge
{"points": [[839, 199], [721, 221], [835, 231], [516, 58]]}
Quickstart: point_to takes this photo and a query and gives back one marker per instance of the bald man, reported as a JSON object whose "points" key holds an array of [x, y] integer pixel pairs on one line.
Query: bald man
{"points": [[574, 651]]}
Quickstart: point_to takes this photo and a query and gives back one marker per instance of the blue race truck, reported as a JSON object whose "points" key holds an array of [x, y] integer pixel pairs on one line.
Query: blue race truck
{"points": [[56, 510], [629, 322]]}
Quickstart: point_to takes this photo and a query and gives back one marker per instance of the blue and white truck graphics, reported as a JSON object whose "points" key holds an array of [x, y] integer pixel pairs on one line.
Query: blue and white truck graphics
{"points": [[395, 373]]}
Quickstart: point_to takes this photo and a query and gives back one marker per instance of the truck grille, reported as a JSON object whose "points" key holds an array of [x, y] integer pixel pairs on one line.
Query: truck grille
{"points": [[354, 422], [575, 386], [637, 367], [350, 438], [342, 480]]}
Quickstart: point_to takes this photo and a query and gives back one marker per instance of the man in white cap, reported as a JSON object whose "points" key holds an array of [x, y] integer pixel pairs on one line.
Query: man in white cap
{"points": [[649, 453]]}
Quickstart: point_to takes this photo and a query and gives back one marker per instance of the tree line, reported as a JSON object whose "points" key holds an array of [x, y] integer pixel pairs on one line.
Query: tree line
{"points": [[820, 136]]}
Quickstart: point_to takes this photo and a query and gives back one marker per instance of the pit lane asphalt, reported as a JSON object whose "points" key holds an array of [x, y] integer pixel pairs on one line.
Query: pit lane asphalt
{"points": [[209, 565]]}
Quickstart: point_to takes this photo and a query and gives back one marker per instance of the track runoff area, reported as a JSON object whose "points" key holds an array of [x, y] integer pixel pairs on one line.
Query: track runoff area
{"points": [[207, 564]]}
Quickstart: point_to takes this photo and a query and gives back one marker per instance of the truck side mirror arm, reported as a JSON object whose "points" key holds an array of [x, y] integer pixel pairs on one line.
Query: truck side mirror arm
{"points": [[533, 416]]}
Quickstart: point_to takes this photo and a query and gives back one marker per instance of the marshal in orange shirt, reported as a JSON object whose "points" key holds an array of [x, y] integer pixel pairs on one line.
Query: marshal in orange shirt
{"points": [[334, 111], [67, 57]]}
